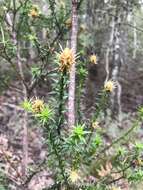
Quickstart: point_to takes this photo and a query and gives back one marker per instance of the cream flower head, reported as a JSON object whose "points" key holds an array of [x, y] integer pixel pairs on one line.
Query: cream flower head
{"points": [[93, 59], [37, 105], [68, 23], [66, 59], [34, 12], [74, 176], [95, 125], [110, 85]]}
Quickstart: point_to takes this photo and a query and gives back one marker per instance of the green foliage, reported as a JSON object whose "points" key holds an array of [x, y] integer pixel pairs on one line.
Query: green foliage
{"points": [[121, 151], [36, 71], [97, 140], [136, 176], [45, 115], [139, 146], [27, 106], [140, 111], [3, 182], [79, 133]]}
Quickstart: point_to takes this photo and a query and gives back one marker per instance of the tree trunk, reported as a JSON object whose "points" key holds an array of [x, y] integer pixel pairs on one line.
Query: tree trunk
{"points": [[25, 116], [116, 94], [135, 39], [71, 99], [109, 48]]}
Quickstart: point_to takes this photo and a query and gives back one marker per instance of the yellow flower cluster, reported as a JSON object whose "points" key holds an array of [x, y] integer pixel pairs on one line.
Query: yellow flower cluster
{"points": [[68, 23], [37, 106], [95, 124], [74, 176], [82, 28], [109, 86], [66, 59], [93, 59], [138, 162], [34, 12]]}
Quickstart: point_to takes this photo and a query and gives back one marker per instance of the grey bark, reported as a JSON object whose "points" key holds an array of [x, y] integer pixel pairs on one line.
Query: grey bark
{"points": [[135, 38], [71, 92], [116, 94], [109, 48]]}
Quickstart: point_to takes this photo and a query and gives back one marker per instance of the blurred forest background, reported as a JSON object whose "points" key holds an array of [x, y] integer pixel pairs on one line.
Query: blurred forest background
{"points": [[30, 34]]}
